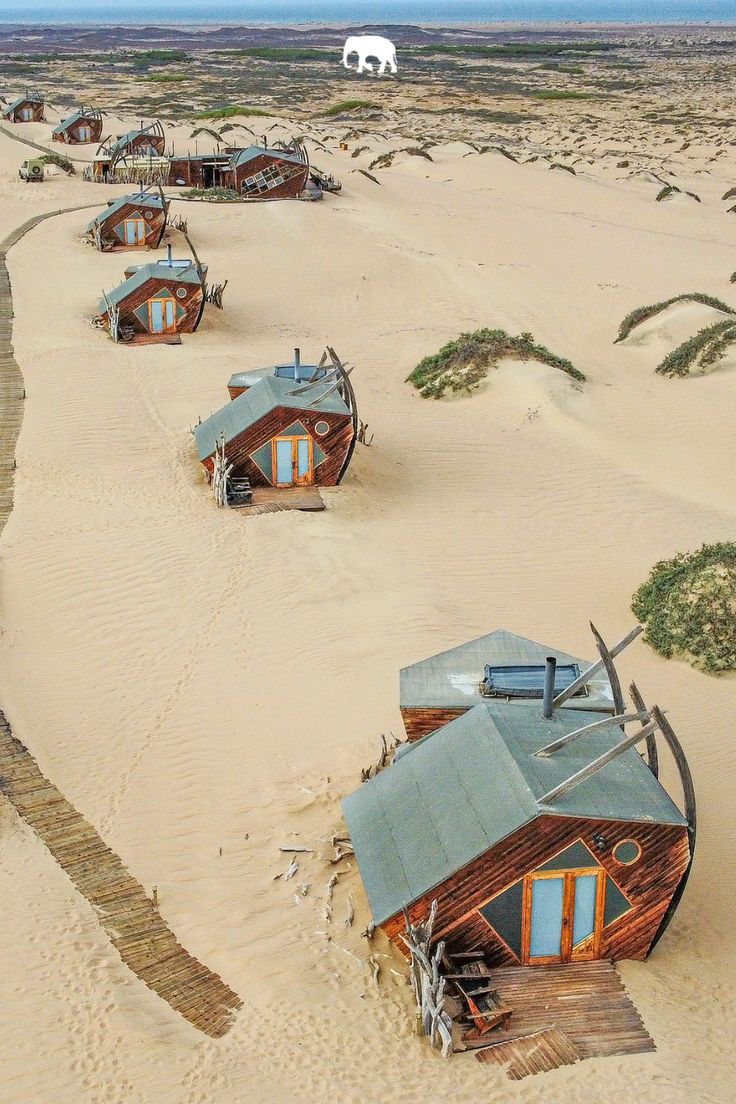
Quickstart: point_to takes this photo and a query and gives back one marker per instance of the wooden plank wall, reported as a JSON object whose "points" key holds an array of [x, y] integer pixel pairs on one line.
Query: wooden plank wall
{"points": [[648, 884], [420, 722]]}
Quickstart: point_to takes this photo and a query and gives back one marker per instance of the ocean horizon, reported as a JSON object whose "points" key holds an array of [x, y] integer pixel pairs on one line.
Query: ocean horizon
{"points": [[434, 12]]}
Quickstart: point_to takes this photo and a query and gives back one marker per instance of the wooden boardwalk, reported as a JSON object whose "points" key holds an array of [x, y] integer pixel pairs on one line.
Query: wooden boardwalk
{"points": [[585, 1002], [537, 1053], [142, 939], [273, 500]]}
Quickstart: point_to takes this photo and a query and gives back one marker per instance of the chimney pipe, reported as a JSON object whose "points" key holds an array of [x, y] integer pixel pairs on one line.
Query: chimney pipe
{"points": [[549, 685], [170, 260], [297, 362]]}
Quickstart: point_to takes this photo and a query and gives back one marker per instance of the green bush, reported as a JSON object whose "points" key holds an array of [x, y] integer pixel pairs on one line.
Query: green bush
{"points": [[169, 78], [212, 195], [464, 363], [643, 314], [561, 94], [280, 53], [520, 49], [348, 105], [231, 110], [688, 605], [701, 351], [58, 159]]}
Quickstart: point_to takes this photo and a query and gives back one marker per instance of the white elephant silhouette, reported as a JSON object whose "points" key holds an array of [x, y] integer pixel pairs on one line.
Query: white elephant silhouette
{"points": [[365, 46]]}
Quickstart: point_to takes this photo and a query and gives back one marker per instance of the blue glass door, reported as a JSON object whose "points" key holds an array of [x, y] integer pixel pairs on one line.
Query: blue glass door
{"points": [[586, 891], [157, 316], [545, 938], [284, 462], [303, 465]]}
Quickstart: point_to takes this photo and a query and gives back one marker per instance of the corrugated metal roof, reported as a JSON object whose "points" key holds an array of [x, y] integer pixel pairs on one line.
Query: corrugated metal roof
{"points": [[139, 199], [463, 789], [21, 100], [124, 139], [450, 679], [160, 269], [242, 157], [252, 405]]}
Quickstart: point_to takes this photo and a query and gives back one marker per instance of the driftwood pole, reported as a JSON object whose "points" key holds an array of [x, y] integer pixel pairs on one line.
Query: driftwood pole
{"points": [[427, 982], [221, 473]]}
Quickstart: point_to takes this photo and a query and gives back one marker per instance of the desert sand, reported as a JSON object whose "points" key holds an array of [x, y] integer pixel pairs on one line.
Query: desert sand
{"points": [[205, 687]]}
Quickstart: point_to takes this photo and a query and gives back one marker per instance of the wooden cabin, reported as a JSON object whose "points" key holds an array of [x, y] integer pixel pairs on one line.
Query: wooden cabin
{"points": [[260, 173], [295, 370], [499, 665], [156, 302], [80, 128], [279, 434], [26, 109], [540, 831], [136, 150], [135, 221]]}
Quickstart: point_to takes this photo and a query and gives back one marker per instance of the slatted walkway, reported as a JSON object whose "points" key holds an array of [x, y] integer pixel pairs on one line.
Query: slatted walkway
{"points": [[272, 500], [586, 1002], [536, 1053], [142, 939]]}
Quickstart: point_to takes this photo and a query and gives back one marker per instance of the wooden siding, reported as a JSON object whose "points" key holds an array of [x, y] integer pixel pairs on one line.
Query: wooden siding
{"points": [[192, 304], [648, 884], [420, 722], [335, 443], [70, 135], [155, 228]]}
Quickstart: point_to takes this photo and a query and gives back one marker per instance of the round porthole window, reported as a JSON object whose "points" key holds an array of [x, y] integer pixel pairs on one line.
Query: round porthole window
{"points": [[627, 852], [181, 293], [322, 428], [149, 214]]}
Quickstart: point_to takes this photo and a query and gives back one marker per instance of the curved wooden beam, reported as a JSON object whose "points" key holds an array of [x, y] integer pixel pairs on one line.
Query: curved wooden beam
{"points": [[607, 661], [652, 753], [688, 790]]}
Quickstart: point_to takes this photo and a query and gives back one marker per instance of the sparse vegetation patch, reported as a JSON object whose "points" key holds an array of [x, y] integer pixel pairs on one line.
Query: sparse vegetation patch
{"points": [[348, 105], [462, 364], [60, 161], [642, 314], [231, 110], [688, 605], [700, 352]]}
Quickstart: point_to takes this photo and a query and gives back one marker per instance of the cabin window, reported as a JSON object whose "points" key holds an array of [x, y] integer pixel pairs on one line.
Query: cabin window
{"points": [[321, 428], [181, 292], [162, 314], [134, 231], [627, 852], [25, 114], [270, 177], [526, 680]]}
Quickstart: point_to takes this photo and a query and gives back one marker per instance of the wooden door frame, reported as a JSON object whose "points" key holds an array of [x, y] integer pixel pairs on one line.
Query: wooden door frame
{"points": [[293, 438], [163, 299], [567, 951], [138, 220]]}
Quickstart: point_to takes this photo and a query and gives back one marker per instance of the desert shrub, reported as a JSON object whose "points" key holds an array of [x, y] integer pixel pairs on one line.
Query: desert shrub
{"points": [[520, 49], [562, 94], [279, 53], [729, 194], [462, 364], [212, 195], [701, 351], [231, 110], [688, 605], [169, 78], [59, 160], [348, 105], [567, 168], [642, 314], [672, 189]]}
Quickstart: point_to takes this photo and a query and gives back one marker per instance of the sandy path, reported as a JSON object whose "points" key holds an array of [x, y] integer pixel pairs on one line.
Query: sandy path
{"points": [[193, 681]]}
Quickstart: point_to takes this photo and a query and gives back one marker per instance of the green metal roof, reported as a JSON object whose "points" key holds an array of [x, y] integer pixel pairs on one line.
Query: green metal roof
{"points": [[236, 416], [450, 680], [160, 269], [125, 139], [451, 796], [21, 100], [242, 157], [69, 122], [140, 199]]}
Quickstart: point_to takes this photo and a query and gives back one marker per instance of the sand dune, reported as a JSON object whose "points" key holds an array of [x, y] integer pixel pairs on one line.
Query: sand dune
{"points": [[206, 687]]}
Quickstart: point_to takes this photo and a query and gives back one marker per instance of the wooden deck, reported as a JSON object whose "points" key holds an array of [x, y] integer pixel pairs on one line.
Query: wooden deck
{"points": [[536, 1053], [272, 500], [585, 1002], [142, 939]]}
